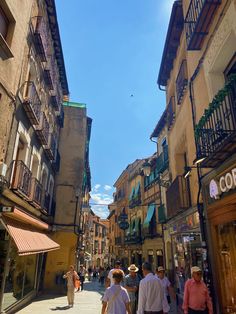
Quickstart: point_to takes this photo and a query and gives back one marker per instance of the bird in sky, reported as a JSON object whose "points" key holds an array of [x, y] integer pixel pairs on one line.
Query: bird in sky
{"points": [[131, 95]]}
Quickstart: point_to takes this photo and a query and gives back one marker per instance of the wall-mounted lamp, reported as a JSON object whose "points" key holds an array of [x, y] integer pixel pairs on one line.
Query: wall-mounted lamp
{"points": [[199, 159], [187, 171], [146, 168]]}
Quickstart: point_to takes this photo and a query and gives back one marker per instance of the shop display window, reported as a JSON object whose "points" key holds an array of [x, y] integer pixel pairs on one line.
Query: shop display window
{"points": [[187, 252], [226, 258], [20, 277]]}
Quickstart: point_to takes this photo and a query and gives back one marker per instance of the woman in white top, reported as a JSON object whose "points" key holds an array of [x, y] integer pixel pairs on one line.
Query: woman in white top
{"points": [[71, 276], [116, 299]]}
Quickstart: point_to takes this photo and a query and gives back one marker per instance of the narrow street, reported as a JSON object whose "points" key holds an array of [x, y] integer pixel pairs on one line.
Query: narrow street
{"points": [[86, 302]]}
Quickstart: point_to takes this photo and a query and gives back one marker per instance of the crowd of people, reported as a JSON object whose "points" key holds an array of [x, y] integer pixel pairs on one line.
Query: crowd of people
{"points": [[141, 291]]}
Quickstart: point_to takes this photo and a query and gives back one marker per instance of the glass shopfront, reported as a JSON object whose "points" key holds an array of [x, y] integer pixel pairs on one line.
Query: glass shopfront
{"points": [[226, 259], [187, 252], [19, 271]]}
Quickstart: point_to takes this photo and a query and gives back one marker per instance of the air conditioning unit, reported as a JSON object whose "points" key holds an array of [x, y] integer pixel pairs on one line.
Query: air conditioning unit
{"points": [[3, 169]]}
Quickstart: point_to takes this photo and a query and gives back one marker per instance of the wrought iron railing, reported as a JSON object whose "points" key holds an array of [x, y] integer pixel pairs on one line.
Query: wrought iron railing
{"points": [[32, 103], [57, 161], [198, 20], [21, 180], [181, 82], [46, 201], [40, 33], [163, 160], [177, 196], [50, 149], [218, 124], [36, 191], [42, 130], [171, 112]]}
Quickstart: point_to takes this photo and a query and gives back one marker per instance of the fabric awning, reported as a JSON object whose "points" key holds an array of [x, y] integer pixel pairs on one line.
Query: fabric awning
{"points": [[28, 240], [132, 194], [150, 213]]}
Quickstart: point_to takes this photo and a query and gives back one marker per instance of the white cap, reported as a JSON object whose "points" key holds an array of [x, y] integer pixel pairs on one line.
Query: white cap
{"points": [[195, 269]]}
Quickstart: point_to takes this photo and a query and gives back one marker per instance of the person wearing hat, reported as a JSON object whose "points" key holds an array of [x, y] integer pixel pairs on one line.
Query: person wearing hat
{"points": [[169, 291], [131, 284], [196, 295]]}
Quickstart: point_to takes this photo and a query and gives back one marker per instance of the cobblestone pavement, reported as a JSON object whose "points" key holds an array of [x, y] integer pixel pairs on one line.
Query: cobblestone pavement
{"points": [[86, 302]]}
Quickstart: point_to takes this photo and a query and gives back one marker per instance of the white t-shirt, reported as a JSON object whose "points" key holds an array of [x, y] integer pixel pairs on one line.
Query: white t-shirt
{"points": [[165, 283], [116, 297], [110, 276]]}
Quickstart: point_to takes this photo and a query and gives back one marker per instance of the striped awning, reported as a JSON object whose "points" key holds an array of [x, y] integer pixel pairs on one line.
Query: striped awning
{"points": [[28, 240]]}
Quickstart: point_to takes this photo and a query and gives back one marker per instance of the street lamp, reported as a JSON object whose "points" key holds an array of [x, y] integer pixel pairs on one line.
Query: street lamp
{"points": [[146, 168]]}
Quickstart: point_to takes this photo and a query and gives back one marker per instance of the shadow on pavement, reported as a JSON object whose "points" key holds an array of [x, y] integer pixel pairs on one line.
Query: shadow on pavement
{"points": [[60, 308]]}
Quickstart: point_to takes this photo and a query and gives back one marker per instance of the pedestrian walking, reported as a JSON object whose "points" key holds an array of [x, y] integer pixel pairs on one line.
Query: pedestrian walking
{"points": [[168, 289], [94, 274], [102, 275], [151, 293], [110, 280], [90, 271], [71, 276], [196, 295], [131, 284], [116, 299], [82, 273]]}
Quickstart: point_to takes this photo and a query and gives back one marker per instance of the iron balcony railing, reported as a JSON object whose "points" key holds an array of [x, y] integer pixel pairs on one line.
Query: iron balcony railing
{"points": [[32, 103], [50, 149], [40, 34], [36, 192], [54, 102], [181, 82], [198, 20], [215, 133], [162, 160], [56, 163], [177, 196], [46, 201], [171, 112], [42, 130], [21, 180]]}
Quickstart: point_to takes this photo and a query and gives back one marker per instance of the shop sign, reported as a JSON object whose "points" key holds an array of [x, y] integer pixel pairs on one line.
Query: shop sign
{"points": [[226, 183]]}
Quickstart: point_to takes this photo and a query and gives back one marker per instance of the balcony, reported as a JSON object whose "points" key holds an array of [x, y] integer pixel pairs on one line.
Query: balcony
{"points": [[56, 163], [46, 201], [55, 103], [60, 119], [177, 197], [42, 130], [162, 160], [47, 78], [36, 192], [21, 182], [40, 34], [215, 133], [171, 112], [198, 20], [32, 104], [50, 149], [181, 82]]}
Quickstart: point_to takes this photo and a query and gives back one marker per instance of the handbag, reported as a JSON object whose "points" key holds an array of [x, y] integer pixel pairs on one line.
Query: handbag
{"points": [[76, 282]]}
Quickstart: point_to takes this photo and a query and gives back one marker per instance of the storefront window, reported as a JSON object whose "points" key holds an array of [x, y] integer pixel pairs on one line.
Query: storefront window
{"points": [[226, 249], [188, 252], [19, 273]]}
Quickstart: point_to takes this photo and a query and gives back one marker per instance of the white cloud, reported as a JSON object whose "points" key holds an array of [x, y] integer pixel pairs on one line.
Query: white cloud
{"points": [[96, 187], [99, 202], [107, 187]]}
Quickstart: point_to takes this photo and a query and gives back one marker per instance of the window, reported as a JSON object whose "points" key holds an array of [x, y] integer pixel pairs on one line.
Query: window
{"points": [[4, 24], [7, 23]]}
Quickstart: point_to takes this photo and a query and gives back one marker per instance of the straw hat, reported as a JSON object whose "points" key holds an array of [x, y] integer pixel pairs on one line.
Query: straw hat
{"points": [[195, 269], [160, 268], [133, 268]]}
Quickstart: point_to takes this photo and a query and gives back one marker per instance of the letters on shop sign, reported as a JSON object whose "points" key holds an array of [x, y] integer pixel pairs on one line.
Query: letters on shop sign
{"points": [[224, 184]]}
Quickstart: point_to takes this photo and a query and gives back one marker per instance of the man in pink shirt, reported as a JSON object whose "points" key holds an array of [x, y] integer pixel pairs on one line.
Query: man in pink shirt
{"points": [[196, 295]]}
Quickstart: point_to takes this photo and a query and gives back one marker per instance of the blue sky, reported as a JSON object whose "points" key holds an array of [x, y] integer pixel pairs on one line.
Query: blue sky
{"points": [[112, 50]]}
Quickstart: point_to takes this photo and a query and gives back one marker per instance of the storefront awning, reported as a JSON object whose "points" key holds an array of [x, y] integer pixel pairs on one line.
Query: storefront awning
{"points": [[150, 213], [28, 240]]}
